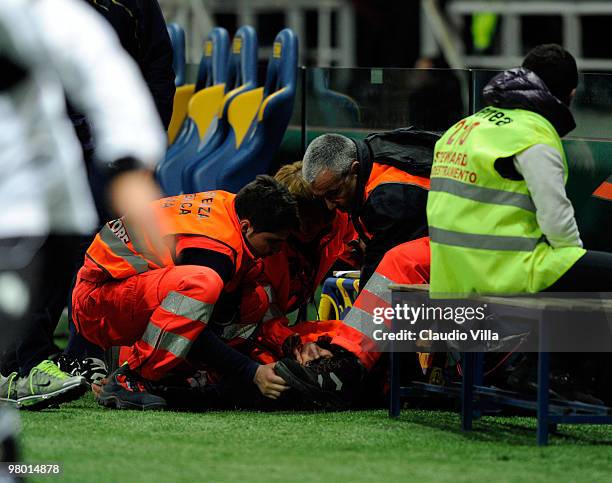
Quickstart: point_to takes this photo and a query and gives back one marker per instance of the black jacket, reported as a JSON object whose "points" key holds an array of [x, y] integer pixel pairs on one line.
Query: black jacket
{"points": [[141, 29], [521, 88], [393, 213]]}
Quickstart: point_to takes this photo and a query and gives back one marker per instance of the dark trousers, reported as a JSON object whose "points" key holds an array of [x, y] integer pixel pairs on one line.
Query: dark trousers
{"points": [[591, 273], [48, 277], [20, 268]]}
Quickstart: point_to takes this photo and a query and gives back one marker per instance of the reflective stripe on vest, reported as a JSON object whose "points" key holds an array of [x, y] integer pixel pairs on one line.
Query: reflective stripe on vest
{"points": [[273, 308], [379, 285], [359, 317], [482, 194], [123, 251], [362, 321], [140, 247], [485, 242], [242, 331]]}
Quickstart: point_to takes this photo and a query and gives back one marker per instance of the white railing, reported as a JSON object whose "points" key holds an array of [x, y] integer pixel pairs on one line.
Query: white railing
{"points": [[510, 12], [197, 18]]}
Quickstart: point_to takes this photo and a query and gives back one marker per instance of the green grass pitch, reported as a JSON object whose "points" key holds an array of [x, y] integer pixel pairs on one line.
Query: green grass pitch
{"points": [[97, 444]]}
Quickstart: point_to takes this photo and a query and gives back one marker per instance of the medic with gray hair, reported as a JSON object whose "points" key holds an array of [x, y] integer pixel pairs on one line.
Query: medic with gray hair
{"points": [[382, 182]]}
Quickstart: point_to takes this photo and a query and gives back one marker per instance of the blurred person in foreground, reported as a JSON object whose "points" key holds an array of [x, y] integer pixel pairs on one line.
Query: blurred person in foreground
{"points": [[48, 48], [142, 32]]}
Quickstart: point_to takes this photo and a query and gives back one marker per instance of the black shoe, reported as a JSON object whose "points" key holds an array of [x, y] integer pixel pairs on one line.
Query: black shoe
{"points": [[562, 384], [329, 383], [68, 364], [91, 368], [572, 389], [127, 390]]}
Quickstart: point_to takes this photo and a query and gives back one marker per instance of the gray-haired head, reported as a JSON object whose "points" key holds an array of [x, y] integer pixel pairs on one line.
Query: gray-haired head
{"points": [[332, 152]]}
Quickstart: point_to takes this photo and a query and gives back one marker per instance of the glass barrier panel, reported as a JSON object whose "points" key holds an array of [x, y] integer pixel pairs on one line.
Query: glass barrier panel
{"points": [[292, 146], [191, 73], [359, 101], [589, 152]]}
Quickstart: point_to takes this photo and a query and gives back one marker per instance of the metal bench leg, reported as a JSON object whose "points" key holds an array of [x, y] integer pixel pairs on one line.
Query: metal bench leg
{"points": [[467, 391], [543, 382], [394, 389], [478, 381]]}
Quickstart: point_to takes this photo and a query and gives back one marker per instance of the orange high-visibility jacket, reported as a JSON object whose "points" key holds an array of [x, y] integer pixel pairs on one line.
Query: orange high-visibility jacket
{"points": [[385, 174], [294, 276], [121, 252], [389, 209]]}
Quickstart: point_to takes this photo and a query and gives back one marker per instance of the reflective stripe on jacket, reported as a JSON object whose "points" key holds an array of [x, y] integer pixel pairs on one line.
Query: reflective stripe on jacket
{"points": [[122, 252]]}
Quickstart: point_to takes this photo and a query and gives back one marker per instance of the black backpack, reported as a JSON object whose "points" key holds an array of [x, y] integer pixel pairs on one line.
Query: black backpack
{"points": [[407, 148]]}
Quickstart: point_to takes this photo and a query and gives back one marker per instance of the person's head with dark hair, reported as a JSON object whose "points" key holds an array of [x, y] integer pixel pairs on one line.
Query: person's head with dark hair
{"points": [[556, 67], [267, 214]]}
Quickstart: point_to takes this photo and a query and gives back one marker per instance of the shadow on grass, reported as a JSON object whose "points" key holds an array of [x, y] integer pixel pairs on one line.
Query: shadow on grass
{"points": [[509, 430], [512, 430]]}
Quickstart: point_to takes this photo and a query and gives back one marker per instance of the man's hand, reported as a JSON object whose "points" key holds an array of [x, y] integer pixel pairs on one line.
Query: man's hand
{"points": [[309, 352], [133, 192], [268, 382]]}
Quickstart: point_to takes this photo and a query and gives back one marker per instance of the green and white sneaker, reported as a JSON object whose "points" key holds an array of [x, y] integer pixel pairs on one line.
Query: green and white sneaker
{"points": [[8, 389], [47, 385]]}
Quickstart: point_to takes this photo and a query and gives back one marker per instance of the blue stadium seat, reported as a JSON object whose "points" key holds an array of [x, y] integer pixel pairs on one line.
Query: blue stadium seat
{"points": [[212, 70], [179, 110], [242, 78], [258, 120], [217, 45], [201, 111], [183, 93], [177, 37]]}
